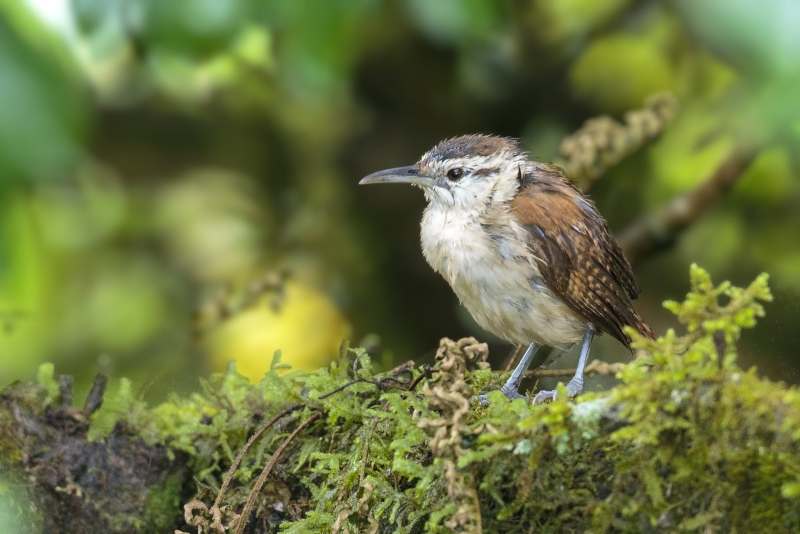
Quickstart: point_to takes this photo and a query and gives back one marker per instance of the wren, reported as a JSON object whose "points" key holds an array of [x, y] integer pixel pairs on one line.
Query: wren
{"points": [[526, 252]]}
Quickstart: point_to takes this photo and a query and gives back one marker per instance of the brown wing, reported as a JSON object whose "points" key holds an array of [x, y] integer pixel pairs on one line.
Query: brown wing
{"points": [[578, 257]]}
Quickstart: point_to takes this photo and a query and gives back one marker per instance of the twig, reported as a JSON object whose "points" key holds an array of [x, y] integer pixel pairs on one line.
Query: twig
{"points": [[402, 367], [380, 383], [65, 389], [597, 367], [216, 512], [512, 358], [240, 456], [340, 388], [225, 305], [262, 478], [658, 230], [95, 397], [363, 471], [546, 373], [721, 346], [426, 373]]}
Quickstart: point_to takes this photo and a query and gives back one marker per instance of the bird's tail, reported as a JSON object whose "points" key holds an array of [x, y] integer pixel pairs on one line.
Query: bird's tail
{"points": [[642, 328]]}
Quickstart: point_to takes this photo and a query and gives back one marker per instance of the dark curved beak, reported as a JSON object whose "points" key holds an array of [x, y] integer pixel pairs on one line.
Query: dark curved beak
{"points": [[399, 175]]}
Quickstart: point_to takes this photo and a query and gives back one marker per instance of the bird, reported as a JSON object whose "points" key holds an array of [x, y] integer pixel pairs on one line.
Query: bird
{"points": [[525, 251]]}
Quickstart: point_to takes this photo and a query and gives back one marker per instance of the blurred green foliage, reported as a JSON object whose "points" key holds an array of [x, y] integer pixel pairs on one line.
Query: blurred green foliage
{"points": [[152, 152]]}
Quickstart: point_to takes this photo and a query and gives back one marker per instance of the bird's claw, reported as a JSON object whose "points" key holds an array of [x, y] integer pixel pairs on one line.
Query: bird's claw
{"points": [[544, 396], [573, 390], [511, 392], [482, 399]]}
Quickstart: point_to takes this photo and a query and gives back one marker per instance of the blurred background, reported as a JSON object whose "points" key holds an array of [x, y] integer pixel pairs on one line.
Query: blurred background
{"points": [[178, 179]]}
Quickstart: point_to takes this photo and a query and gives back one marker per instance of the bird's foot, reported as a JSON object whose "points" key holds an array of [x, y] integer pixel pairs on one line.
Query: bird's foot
{"points": [[544, 396], [508, 390], [512, 391], [481, 399], [574, 388]]}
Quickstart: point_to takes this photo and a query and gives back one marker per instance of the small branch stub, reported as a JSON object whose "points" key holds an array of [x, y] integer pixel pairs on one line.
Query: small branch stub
{"points": [[95, 398], [65, 389]]}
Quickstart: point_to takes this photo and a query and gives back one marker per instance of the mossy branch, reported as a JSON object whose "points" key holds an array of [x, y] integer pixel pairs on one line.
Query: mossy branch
{"points": [[602, 143], [659, 229], [687, 441]]}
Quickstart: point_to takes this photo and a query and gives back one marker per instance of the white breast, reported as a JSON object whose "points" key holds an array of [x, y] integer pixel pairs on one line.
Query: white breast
{"points": [[497, 279]]}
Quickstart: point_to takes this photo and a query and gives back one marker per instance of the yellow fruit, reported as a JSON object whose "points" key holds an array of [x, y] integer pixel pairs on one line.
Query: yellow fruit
{"points": [[307, 328]]}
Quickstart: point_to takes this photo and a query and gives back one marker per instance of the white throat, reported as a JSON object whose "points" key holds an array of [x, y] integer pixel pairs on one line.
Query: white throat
{"points": [[471, 238]]}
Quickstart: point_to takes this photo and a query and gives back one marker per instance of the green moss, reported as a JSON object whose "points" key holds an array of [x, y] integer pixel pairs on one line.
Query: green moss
{"points": [[45, 379], [686, 441], [162, 501], [9, 444]]}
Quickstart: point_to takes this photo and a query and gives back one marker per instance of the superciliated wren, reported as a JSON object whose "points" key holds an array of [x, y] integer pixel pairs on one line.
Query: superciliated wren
{"points": [[524, 250]]}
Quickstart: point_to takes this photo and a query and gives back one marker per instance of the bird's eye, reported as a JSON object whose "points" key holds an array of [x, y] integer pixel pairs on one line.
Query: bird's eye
{"points": [[455, 174]]}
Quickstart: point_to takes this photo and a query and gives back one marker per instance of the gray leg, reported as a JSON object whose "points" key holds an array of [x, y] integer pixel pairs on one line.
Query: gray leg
{"points": [[575, 386], [511, 387]]}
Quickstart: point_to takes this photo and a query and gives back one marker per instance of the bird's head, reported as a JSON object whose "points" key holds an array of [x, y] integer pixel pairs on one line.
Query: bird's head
{"points": [[467, 172]]}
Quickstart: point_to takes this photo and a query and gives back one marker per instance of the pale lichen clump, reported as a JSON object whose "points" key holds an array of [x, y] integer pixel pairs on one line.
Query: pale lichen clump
{"points": [[602, 143], [687, 441]]}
